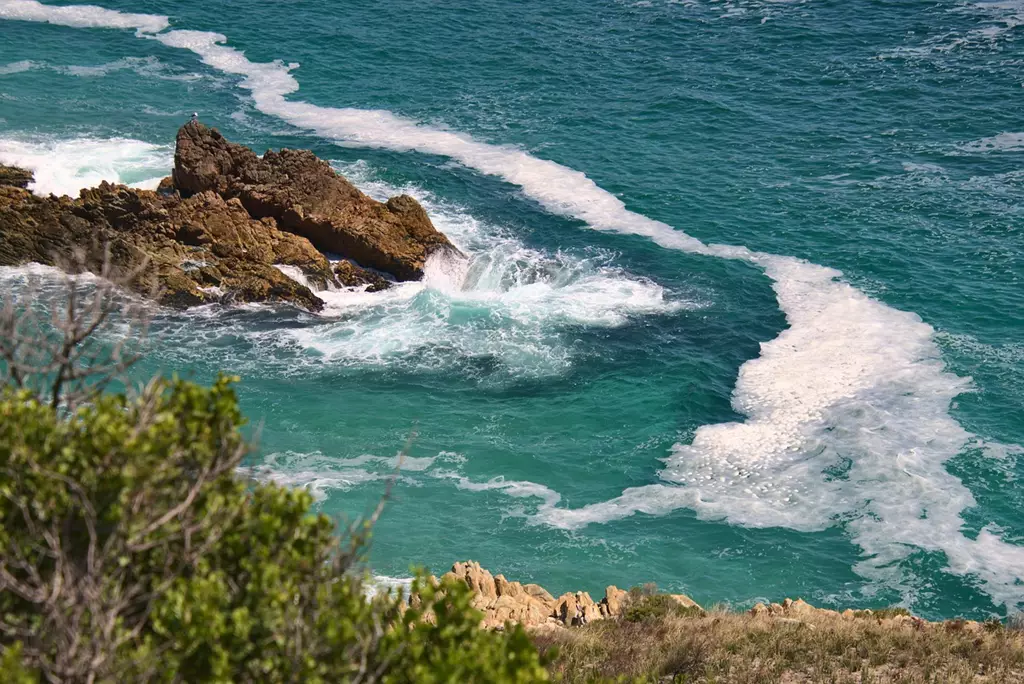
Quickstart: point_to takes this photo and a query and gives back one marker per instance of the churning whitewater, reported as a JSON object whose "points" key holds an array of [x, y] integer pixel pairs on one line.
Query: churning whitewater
{"points": [[878, 405]]}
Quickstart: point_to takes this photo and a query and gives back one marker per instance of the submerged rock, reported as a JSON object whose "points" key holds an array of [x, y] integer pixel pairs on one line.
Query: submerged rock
{"points": [[307, 197]]}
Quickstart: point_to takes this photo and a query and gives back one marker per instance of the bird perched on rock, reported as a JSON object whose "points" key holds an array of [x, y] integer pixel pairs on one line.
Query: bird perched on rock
{"points": [[195, 116]]}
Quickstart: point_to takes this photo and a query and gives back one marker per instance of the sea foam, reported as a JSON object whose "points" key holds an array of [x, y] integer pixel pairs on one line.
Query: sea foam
{"points": [[501, 302], [63, 167], [847, 409]]}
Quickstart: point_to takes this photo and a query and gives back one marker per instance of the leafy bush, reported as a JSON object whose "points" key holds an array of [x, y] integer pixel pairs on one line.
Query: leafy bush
{"points": [[132, 550]]}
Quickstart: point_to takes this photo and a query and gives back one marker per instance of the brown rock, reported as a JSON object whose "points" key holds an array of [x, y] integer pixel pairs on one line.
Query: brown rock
{"points": [[566, 610], [14, 177], [614, 601], [195, 251], [307, 197], [352, 275], [166, 186], [589, 611]]}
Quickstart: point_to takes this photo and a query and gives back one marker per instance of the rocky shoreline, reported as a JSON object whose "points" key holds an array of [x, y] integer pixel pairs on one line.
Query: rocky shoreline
{"points": [[218, 227], [531, 606], [502, 601]]}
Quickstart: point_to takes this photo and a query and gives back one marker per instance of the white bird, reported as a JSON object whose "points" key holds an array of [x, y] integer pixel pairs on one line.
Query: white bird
{"points": [[195, 116]]}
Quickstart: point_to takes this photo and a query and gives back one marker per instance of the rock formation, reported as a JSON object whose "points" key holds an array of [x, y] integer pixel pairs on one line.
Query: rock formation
{"points": [[307, 197], [503, 601], [531, 606], [194, 251], [15, 177], [216, 228]]}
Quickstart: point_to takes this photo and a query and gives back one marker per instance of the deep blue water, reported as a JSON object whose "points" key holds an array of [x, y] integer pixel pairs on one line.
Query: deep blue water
{"points": [[583, 405]]}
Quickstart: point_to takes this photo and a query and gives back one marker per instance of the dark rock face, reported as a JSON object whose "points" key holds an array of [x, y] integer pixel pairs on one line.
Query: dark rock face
{"points": [[214, 229], [307, 197], [14, 177]]}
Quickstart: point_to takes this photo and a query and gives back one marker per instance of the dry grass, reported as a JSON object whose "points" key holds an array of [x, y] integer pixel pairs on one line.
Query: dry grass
{"points": [[820, 646]]}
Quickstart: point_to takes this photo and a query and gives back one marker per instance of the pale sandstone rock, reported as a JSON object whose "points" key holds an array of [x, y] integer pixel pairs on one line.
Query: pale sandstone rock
{"points": [[614, 601], [685, 601]]}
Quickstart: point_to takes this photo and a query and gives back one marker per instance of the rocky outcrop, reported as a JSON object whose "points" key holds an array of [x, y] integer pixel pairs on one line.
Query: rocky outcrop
{"points": [[194, 251], [801, 612], [217, 227], [503, 601], [307, 197], [14, 177]]}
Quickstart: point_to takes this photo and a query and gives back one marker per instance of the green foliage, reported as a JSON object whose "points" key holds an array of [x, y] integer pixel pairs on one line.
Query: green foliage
{"points": [[440, 640], [132, 550], [645, 604], [12, 669]]}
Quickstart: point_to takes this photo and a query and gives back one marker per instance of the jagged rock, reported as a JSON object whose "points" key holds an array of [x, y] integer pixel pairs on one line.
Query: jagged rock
{"points": [[498, 599], [14, 177], [195, 251], [352, 275], [532, 606], [614, 600], [503, 601], [478, 579], [214, 229], [307, 197]]}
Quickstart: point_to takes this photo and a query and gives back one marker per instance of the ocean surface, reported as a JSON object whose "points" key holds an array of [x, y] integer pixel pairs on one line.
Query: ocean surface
{"points": [[744, 303]]}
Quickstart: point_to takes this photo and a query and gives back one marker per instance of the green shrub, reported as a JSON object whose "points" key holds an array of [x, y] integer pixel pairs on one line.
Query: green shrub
{"points": [[645, 604], [132, 550]]}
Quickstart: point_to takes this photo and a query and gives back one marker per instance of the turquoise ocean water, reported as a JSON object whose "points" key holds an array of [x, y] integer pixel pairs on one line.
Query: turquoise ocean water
{"points": [[743, 309]]}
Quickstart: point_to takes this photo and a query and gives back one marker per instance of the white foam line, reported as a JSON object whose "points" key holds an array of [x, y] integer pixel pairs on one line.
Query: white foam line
{"points": [[81, 16], [850, 381]]}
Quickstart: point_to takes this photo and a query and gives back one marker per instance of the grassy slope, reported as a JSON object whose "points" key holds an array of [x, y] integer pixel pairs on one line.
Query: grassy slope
{"points": [[797, 646]]}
